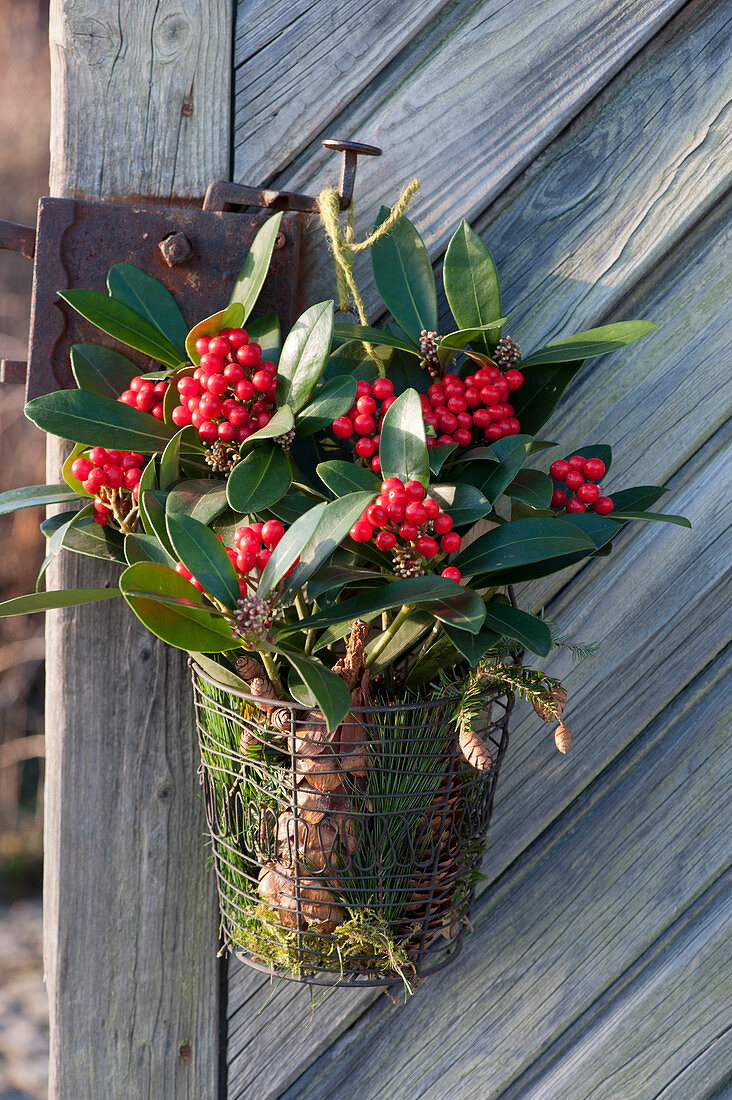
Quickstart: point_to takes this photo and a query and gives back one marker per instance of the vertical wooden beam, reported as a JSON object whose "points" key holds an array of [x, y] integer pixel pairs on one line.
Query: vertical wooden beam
{"points": [[140, 107]]}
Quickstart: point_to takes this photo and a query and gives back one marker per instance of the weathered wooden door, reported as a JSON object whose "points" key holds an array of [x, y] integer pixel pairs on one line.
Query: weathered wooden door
{"points": [[587, 144]]}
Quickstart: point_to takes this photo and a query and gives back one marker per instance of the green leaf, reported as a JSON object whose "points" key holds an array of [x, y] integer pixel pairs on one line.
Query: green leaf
{"points": [[346, 477], [152, 513], [35, 496], [464, 610], [304, 355], [200, 551], [471, 646], [280, 423], [149, 479], [231, 317], [148, 297], [221, 673], [258, 480], [265, 331], [125, 324], [653, 517], [541, 392], [293, 505], [184, 623], [332, 399], [254, 270], [527, 541], [334, 523], [637, 499], [413, 590], [201, 499], [402, 449], [511, 453], [462, 336], [140, 547], [55, 528], [532, 487], [586, 345], [47, 601], [330, 691], [85, 536], [418, 623], [170, 461], [598, 528], [73, 482], [471, 283], [443, 654], [289, 548], [344, 331], [439, 454], [511, 622], [98, 421], [331, 579], [463, 503], [404, 277], [101, 370]]}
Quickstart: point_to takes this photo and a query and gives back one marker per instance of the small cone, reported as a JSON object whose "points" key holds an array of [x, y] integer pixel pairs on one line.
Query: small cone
{"points": [[474, 749], [563, 738], [249, 668], [550, 710]]}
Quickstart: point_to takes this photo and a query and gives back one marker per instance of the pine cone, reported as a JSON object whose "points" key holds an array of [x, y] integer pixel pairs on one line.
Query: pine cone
{"points": [[263, 690], [249, 668], [281, 719], [562, 738], [474, 749], [554, 704]]}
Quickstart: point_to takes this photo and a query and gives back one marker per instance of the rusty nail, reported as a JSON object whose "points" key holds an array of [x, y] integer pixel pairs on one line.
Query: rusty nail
{"points": [[280, 240], [175, 248], [351, 151], [185, 1054]]}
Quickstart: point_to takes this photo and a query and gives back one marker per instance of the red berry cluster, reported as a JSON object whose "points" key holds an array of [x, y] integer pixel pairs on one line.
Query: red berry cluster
{"points": [[253, 546], [363, 419], [112, 478], [466, 411], [231, 394], [404, 516], [146, 395], [580, 475]]}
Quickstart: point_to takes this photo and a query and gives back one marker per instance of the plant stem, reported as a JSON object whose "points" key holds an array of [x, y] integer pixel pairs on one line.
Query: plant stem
{"points": [[271, 670], [389, 633], [302, 612]]}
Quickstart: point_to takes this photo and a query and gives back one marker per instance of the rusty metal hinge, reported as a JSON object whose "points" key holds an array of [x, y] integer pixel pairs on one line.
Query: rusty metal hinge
{"points": [[196, 253]]}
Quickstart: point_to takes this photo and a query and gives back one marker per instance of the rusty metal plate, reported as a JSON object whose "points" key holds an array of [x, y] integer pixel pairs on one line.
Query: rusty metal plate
{"points": [[77, 243]]}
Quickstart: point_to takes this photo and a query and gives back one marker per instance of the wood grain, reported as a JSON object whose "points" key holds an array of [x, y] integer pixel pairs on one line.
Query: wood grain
{"points": [[130, 917], [569, 920]]}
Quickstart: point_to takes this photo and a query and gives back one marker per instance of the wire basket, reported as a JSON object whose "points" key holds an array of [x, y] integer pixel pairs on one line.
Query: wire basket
{"points": [[347, 859]]}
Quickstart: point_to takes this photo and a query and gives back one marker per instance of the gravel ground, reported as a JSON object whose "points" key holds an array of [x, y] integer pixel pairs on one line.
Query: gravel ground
{"points": [[23, 1004]]}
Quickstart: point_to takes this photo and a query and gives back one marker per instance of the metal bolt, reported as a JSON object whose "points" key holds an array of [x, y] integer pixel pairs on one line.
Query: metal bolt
{"points": [[280, 241], [175, 248], [351, 151]]}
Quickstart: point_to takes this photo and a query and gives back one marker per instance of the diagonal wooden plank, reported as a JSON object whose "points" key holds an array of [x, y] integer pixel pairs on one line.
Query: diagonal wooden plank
{"points": [[568, 920]]}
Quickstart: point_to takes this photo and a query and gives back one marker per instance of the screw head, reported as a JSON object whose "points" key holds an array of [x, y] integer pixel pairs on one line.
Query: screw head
{"points": [[175, 248]]}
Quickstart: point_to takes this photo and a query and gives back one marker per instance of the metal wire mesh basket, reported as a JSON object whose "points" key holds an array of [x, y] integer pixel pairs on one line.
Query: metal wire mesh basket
{"points": [[346, 859]]}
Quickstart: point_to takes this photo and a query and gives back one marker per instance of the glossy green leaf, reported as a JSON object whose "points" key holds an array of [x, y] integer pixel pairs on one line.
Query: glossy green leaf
{"points": [[464, 610], [280, 423], [293, 504], [335, 522], [47, 601], [404, 277], [332, 399], [254, 270], [289, 548], [330, 691], [439, 454], [332, 579], [102, 370], [85, 536], [456, 340], [511, 452], [378, 337], [54, 528], [98, 421], [600, 529], [471, 283], [463, 503], [259, 479], [153, 301], [304, 355], [202, 499], [418, 623], [73, 482], [152, 512], [265, 331], [637, 499], [169, 606], [170, 461], [519, 625], [201, 552], [35, 496], [402, 449], [442, 655], [346, 477], [532, 487], [471, 646], [527, 541], [541, 392], [221, 673], [595, 341], [231, 317], [125, 324], [652, 517], [139, 547]]}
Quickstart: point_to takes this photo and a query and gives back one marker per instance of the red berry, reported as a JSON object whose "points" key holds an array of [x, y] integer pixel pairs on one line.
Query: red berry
{"points": [[364, 448], [249, 355], [408, 532], [81, 468], [433, 508], [261, 381], [415, 490], [114, 477], [157, 411], [588, 493], [227, 432], [238, 337], [514, 379], [233, 373], [208, 431], [146, 397], [559, 499], [376, 515], [217, 384], [220, 346], [138, 382], [382, 388], [363, 389], [427, 546], [342, 427], [246, 559], [457, 405], [448, 423], [594, 469], [452, 574], [97, 456], [100, 518], [239, 417], [576, 462], [188, 386], [366, 405], [493, 433], [451, 542], [272, 532], [442, 524], [263, 420], [574, 505], [132, 477], [395, 512], [462, 437], [376, 464], [559, 469], [202, 345], [481, 418], [573, 480], [415, 512], [391, 483], [603, 506], [269, 367], [262, 558], [361, 531], [244, 390], [97, 478], [385, 540], [364, 424], [129, 397], [209, 406]]}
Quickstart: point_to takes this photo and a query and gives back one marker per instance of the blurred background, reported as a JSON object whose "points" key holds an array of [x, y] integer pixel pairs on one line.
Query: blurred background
{"points": [[24, 130]]}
